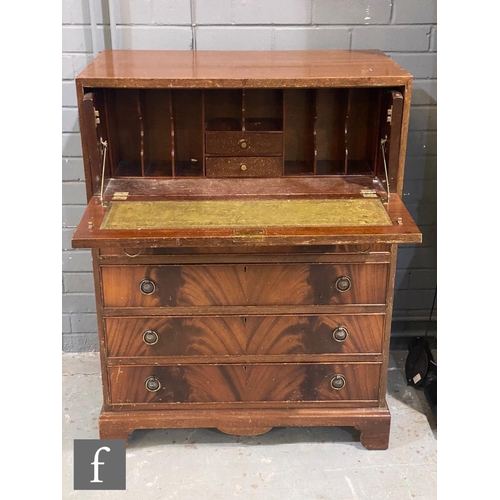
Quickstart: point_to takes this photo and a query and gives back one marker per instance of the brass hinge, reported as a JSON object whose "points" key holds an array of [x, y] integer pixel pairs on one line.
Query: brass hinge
{"points": [[389, 115], [249, 232], [369, 193], [119, 195], [97, 119]]}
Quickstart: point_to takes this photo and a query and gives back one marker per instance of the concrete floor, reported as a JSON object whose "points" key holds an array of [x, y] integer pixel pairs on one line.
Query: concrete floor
{"points": [[292, 463]]}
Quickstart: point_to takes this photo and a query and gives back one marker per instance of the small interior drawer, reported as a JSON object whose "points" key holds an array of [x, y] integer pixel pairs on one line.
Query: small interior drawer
{"points": [[238, 143], [244, 166], [219, 383]]}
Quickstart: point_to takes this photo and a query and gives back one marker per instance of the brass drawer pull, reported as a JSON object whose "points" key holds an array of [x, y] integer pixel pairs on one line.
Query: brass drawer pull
{"points": [[147, 286], [337, 382], [150, 337], [138, 252], [243, 167], [365, 250], [343, 284], [340, 333], [243, 143], [152, 384]]}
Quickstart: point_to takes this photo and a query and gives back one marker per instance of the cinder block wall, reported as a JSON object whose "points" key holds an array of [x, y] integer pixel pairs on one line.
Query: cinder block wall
{"points": [[404, 29]]}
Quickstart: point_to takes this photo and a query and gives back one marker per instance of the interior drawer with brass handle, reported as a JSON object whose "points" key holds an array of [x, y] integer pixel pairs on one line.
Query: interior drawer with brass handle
{"points": [[237, 143], [245, 166]]}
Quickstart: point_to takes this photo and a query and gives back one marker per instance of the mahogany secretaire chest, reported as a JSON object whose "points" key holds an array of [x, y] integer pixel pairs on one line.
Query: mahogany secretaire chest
{"points": [[244, 211]]}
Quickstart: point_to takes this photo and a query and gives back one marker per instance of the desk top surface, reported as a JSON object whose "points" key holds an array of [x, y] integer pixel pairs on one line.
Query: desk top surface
{"points": [[209, 69]]}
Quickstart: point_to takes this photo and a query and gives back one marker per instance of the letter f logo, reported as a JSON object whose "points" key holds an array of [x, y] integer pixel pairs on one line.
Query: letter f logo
{"points": [[96, 464]]}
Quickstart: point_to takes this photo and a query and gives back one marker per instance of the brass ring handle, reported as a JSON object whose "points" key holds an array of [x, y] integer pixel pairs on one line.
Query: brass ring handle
{"points": [[340, 333], [243, 143], [338, 382], [132, 254], [152, 384], [147, 286], [150, 337], [363, 251], [343, 284]]}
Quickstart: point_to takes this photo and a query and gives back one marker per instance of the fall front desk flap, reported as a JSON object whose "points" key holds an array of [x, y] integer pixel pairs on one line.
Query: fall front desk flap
{"points": [[299, 221]]}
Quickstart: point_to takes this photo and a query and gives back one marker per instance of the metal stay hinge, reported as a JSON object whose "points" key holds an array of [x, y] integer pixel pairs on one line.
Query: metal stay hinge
{"points": [[97, 119], [382, 147], [104, 149]]}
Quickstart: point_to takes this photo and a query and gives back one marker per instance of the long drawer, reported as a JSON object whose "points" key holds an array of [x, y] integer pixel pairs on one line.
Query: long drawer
{"points": [[206, 336], [243, 285], [243, 383], [244, 252]]}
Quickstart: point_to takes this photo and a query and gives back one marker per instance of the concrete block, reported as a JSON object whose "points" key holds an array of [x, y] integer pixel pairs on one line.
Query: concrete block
{"points": [[411, 323], [67, 235], [78, 303], [75, 12], [413, 257], [76, 39], [429, 235], [68, 93], [423, 279], [421, 143], [234, 38], [71, 144], [83, 323], [422, 65], [73, 193], [78, 12], [391, 38], [420, 191], [68, 72], [311, 38], [402, 279], [79, 39], [433, 43], [78, 282], [80, 342], [66, 324], [72, 64], [262, 12], [414, 12], [271, 11], [354, 12], [214, 12], [423, 118], [134, 12], [72, 169], [154, 37], [414, 299], [72, 214], [424, 92], [76, 261], [423, 212], [173, 11], [70, 120], [420, 167]]}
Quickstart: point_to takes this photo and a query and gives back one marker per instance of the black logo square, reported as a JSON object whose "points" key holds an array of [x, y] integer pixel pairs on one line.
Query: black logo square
{"points": [[99, 464]]}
